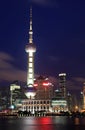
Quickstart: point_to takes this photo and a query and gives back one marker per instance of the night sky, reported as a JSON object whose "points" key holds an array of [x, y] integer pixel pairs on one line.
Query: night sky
{"points": [[59, 36]]}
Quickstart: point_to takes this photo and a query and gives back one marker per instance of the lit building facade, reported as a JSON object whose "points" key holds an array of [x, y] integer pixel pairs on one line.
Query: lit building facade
{"points": [[36, 105], [42, 101], [59, 103], [15, 94]]}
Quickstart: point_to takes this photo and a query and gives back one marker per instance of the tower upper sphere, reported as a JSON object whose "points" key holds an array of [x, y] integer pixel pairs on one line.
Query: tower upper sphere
{"points": [[30, 48]]}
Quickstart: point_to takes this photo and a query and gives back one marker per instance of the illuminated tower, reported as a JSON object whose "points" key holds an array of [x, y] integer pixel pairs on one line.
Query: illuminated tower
{"points": [[62, 84], [30, 49]]}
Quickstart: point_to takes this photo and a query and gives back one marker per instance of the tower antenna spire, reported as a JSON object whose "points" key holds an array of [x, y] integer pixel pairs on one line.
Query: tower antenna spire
{"points": [[30, 30]]}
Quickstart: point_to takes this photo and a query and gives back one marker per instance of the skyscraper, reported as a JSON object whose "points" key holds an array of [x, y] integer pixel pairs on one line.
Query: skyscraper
{"points": [[84, 96], [44, 88], [30, 49], [62, 84]]}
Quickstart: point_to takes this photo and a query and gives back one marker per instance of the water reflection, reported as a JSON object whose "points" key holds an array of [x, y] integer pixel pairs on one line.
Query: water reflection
{"points": [[42, 123], [44, 120], [45, 124], [77, 121], [59, 120]]}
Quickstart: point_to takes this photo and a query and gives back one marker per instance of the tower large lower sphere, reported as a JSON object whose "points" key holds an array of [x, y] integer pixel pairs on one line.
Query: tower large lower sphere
{"points": [[30, 49]]}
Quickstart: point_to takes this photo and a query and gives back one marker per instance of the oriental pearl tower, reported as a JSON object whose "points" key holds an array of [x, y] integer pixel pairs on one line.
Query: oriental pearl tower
{"points": [[30, 49]]}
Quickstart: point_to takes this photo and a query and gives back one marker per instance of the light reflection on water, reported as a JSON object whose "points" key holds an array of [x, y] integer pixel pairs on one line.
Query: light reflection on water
{"points": [[42, 123], [77, 121]]}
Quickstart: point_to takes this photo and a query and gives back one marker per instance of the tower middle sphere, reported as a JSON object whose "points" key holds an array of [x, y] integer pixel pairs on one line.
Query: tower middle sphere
{"points": [[30, 48]]}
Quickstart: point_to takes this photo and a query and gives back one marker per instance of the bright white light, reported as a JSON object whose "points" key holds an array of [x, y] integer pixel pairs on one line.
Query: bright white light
{"points": [[45, 84], [30, 75], [59, 102], [30, 94], [12, 106], [14, 86], [35, 85], [56, 90], [30, 54], [31, 50], [30, 32], [30, 65], [62, 74], [30, 59], [30, 81], [30, 70], [46, 79]]}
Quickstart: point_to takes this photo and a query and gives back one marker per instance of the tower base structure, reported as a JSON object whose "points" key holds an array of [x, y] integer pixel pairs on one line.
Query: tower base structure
{"points": [[30, 92]]}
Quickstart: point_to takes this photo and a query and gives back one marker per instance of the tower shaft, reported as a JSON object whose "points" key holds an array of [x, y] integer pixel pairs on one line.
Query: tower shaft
{"points": [[30, 73], [30, 49]]}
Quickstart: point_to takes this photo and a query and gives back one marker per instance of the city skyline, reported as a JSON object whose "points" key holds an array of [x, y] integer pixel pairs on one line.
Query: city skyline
{"points": [[58, 35]]}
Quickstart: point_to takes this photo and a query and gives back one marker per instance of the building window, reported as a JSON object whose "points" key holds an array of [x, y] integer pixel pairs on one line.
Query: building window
{"points": [[37, 102], [47, 102], [48, 107], [40, 102], [31, 102], [34, 102], [44, 102]]}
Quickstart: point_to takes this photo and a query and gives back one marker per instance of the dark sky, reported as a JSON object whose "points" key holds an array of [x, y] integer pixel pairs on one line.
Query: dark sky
{"points": [[59, 36]]}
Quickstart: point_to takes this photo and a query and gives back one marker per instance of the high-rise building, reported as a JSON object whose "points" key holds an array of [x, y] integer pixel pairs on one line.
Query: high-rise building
{"points": [[69, 101], [58, 102], [15, 94], [44, 88], [84, 96], [30, 49], [4, 97], [62, 84], [81, 101]]}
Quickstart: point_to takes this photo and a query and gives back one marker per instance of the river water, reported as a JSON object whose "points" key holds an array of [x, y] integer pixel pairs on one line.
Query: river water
{"points": [[42, 123]]}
